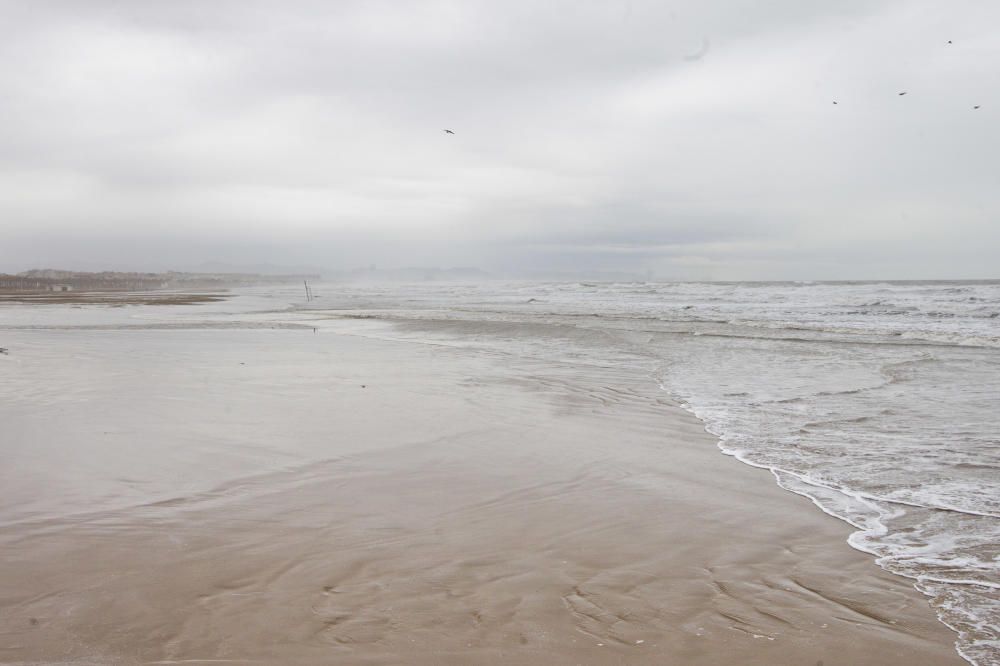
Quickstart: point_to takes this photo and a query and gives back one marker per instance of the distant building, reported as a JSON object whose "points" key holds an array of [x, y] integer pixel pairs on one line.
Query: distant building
{"points": [[60, 287]]}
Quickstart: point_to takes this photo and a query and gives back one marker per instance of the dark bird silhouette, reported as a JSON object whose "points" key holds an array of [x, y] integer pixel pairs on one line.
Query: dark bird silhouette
{"points": [[448, 132], [835, 103], [949, 41], [976, 106], [902, 93]]}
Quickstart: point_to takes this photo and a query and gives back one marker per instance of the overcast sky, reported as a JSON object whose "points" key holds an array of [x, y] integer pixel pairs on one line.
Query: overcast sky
{"points": [[693, 139]]}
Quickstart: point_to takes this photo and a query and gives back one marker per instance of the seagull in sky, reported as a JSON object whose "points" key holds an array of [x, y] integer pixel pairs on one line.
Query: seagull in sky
{"points": [[448, 132], [902, 93]]}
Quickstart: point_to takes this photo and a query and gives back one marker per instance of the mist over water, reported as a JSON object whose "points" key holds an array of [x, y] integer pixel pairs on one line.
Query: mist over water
{"points": [[880, 401]]}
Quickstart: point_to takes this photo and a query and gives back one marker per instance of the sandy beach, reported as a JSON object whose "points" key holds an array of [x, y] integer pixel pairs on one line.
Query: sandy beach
{"points": [[471, 333], [291, 497]]}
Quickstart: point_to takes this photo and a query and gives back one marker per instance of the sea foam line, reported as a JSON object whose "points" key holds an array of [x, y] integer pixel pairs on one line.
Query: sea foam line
{"points": [[876, 529]]}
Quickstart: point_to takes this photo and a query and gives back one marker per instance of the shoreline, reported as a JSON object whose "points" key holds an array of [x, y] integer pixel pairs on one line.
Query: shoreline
{"points": [[472, 508]]}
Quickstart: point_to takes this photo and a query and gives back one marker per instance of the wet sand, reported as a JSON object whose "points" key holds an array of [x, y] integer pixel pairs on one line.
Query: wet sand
{"points": [[288, 497]]}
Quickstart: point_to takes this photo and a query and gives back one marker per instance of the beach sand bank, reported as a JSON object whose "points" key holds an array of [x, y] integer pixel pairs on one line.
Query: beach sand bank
{"points": [[291, 497]]}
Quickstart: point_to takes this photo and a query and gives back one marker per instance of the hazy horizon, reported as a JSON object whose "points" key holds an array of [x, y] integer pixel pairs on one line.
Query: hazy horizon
{"points": [[688, 142]]}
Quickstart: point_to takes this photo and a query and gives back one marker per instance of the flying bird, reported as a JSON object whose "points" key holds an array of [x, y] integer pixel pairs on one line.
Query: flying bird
{"points": [[448, 132], [902, 93], [976, 106], [834, 102], [949, 41], [701, 53]]}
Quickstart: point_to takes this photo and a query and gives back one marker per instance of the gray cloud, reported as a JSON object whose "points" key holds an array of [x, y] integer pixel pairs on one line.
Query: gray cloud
{"points": [[171, 133]]}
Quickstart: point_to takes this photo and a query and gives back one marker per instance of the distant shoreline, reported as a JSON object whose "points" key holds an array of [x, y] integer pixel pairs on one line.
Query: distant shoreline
{"points": [[61, 281], [112, 298]]}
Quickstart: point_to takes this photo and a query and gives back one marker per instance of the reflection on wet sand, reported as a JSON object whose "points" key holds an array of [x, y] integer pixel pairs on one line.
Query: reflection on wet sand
{"points": [[237, 495]]}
